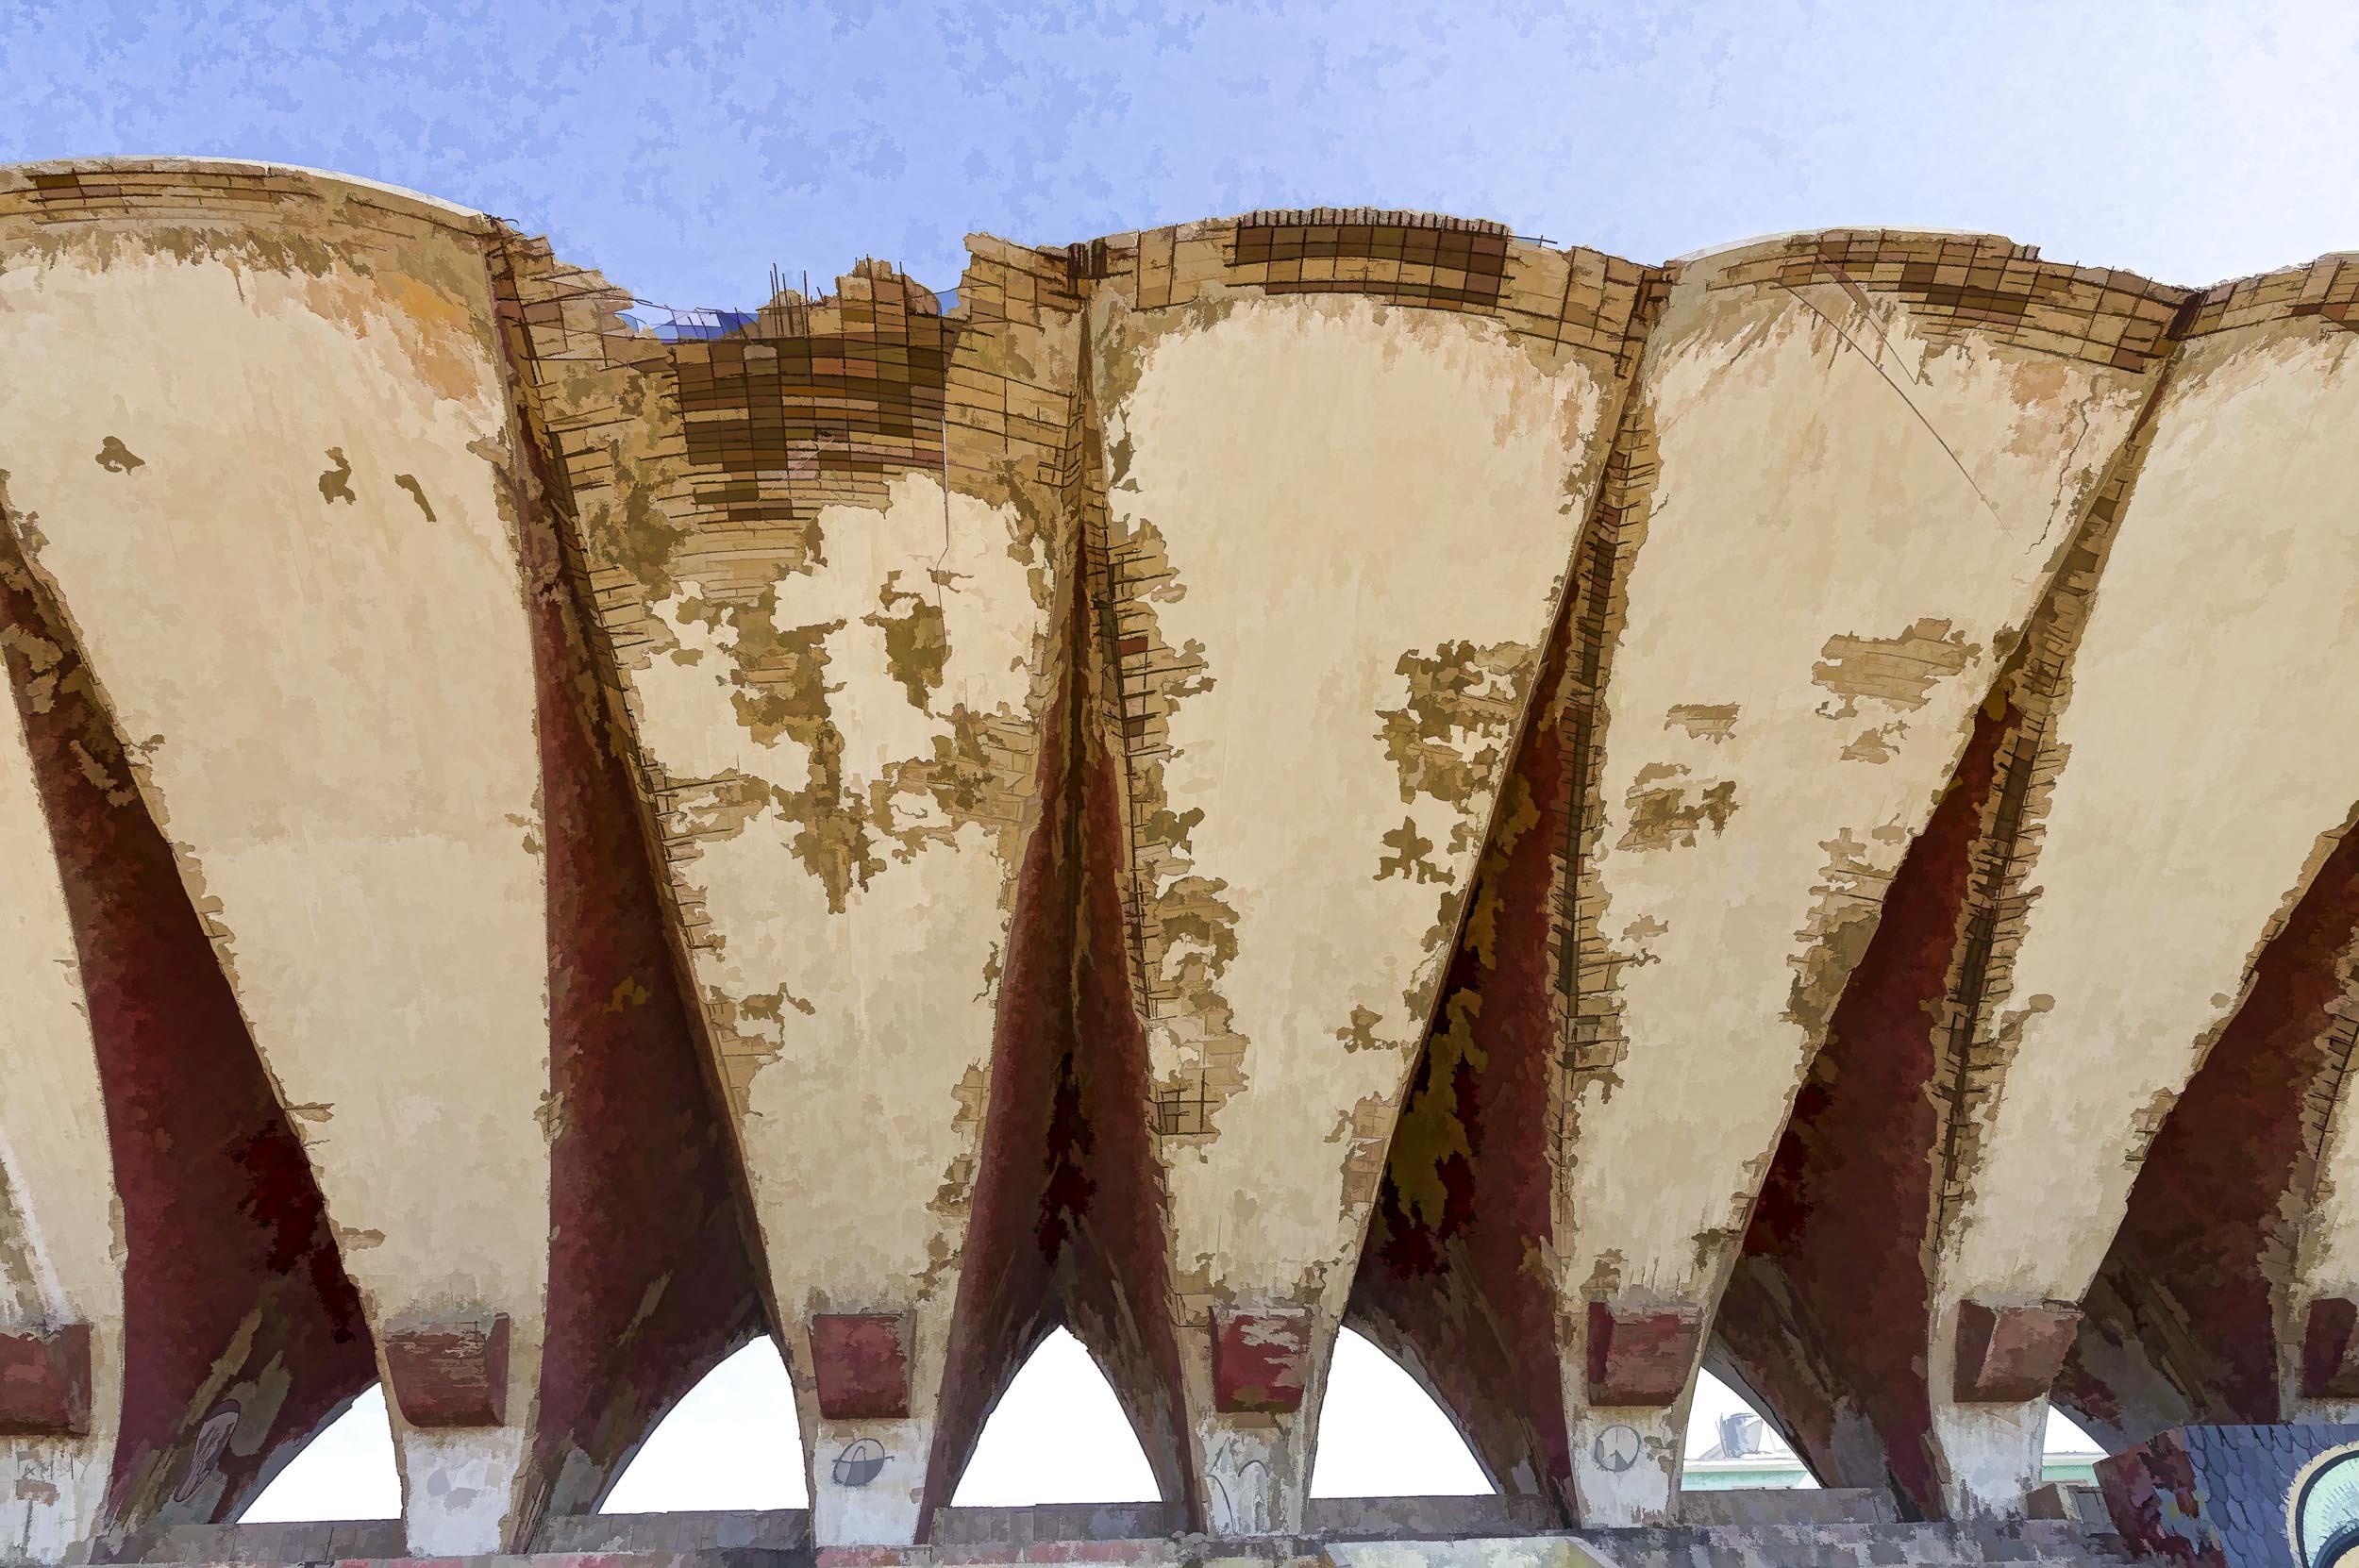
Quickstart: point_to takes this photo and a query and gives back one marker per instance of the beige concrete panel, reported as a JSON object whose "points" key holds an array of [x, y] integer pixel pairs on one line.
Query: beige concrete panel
{"points": [[1366, 513], [266, 480], [1853, 520], [2213, 728], [1352, 521], [60, 1258], [836, 676], [856, 953]]}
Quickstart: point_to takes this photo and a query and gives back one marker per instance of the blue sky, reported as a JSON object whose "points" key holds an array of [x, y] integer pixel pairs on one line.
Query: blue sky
{"points": [[687, 147]]}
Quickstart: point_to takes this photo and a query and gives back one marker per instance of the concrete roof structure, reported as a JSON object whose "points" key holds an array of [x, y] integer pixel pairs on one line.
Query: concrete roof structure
{"points": [[1787, 811]]}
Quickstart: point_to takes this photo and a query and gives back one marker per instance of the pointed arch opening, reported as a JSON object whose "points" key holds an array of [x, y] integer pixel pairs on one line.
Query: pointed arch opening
{"points": [[346, 1471], [1381, 1434], [731, 1443], [1057, 1435], [1732, 1444], [2067, 1453]]}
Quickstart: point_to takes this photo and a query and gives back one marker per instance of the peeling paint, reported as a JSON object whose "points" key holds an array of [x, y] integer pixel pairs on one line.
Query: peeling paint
{"points": [[335, 481], [1703, 721], [1182, 870], [1897, 671], [115, 457], [1662, 814], [417, 493]]}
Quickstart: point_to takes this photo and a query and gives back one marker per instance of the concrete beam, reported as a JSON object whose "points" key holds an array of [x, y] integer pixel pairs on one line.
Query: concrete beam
{"points": [[2206, 743], [2195, 1314], [302, 417], [1861, 491], [651, 1273], [233, 1333], [1338, 524], [61, 1290], [1469, 1191], [839, 679]]}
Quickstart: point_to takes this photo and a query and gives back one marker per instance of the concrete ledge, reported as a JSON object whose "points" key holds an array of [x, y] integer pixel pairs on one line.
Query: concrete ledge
{"points": [[771, 1530], [1388, 1532], [2080, 1501], [1791, 1505], [1416, 1518], [1063, 1522], [322, 1540]]}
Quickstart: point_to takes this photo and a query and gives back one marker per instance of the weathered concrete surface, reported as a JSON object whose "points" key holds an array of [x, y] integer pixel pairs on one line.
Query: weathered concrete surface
{"points": [[1863, 1182], [2222, 797], [2232, 1227], [333, 716], [651, 1274], [1466, 1206], [1317, 763], [833, 632], [58, 1266], [376, 682], [1763, 1529], [1827, 585], [1336, 527], [237, 1333]]}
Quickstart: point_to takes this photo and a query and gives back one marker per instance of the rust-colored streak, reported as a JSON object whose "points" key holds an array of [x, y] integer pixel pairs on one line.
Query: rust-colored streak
{"points": [[651, 1276], [233, 1289], [1843, 1222], [2208, 1239]]}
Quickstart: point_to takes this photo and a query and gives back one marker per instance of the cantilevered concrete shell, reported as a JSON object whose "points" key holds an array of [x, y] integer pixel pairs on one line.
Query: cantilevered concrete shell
{"points": [[1785, 811]]}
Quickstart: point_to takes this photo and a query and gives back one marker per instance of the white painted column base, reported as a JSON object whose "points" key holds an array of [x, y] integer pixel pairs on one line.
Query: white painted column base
{"points": [[459, 1487], [1989, 1454], [1626, 1464], [53, 1490], [1257, 1475], [868, 1481]]}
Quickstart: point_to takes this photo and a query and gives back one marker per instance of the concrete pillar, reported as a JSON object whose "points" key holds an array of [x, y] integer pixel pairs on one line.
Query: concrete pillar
{"points": [[60, 1278], [1629, 1382], [1854, 498], [332, 716], [1292, 484], [2209, 741], [838, 675]]}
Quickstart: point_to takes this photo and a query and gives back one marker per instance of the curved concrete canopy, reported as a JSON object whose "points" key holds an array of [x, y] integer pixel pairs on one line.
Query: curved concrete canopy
{"points": [[1318, 766]]}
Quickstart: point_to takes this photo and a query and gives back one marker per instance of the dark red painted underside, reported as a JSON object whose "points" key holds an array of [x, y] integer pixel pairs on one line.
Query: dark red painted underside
{"points": [[1462, 1294], [1844, 1215], [1067, 1217], [2211, 1218], [651, 1274], [222, 1222]]}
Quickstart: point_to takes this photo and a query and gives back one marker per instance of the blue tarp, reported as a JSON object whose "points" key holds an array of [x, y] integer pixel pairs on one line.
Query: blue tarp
{"points": [[679, 325]]}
